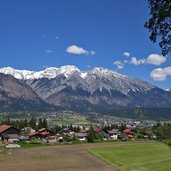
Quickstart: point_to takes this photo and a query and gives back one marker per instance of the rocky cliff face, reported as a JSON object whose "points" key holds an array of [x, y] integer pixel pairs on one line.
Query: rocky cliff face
{"points": [[99, 88], [15, 95]]}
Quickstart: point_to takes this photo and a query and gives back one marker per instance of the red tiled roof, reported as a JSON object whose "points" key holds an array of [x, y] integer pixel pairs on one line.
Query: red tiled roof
{"points": [[97, 129], [53, 137], [32, 134], [130, 136], [44, 133], [113, 131], [127, 130], [4, 128]]}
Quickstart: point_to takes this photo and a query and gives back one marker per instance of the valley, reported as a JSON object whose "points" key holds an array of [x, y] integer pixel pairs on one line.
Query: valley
{"points": [[68, 88]]}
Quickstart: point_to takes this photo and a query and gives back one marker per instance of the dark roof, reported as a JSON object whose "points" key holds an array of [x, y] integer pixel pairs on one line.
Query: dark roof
{"points": [[4, 135], [24, 137], [42, 129], [80, 134], [13, 136], [4, 128]]}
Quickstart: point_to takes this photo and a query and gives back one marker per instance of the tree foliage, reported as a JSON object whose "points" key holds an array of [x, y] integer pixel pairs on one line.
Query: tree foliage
{"points": [[20, 124], [164, 131], [159, 24], [91, 135]]}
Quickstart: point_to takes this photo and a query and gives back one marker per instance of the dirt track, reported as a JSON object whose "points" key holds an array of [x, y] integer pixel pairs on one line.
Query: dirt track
{"points": [[55, 158]]}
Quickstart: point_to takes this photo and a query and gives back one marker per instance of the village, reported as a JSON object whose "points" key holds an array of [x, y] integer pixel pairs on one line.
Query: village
{"points": [[35, 132]]}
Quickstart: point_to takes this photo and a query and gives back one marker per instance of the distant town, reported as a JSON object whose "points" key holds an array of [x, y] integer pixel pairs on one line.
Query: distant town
{"points": [[71, 127]]}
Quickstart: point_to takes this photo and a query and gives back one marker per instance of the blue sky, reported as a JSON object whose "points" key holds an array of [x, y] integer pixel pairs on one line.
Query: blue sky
{"points": [[84, 33]]}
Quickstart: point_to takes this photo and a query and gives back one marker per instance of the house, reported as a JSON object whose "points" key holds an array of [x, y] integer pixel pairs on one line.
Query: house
{"points": [[127, 130], [82, 136], [98, 130], [42, 133], [43, 130], [128, 133], [54, 139], [7, 132], [113, 134], [28, 130], [13, 138], [23, 138]]}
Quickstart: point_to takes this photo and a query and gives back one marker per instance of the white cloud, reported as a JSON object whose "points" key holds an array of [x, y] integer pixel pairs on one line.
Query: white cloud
{"points": [[74, 49], [127, 54], [57, 37], [155, 59], [49, 51], [160, 74], [135, 61], [120, 64]]}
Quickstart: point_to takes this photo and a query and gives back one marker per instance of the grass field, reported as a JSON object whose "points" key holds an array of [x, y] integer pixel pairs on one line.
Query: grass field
{"points": [[68, 120], [137, 157], [127, 156]]}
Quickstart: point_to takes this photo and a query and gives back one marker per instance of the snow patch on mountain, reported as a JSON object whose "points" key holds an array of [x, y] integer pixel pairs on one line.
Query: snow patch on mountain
{"points": [[90, 81], [53, 72], [50, 72]]}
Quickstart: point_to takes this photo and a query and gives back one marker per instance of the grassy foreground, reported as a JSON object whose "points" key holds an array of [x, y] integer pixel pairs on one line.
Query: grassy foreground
{"points": [[136, 157]]}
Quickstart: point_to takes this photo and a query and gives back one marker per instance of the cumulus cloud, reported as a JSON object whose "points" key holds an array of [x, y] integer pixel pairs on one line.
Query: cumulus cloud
{"points": [[120, 64], [155, 59], [160, 74], [49, 51], [74, 49], [127, 54], [135, 61]]}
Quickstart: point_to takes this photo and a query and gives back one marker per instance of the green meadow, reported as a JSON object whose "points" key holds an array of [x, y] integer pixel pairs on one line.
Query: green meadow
{"points": [[136, 157], [68, 120]]}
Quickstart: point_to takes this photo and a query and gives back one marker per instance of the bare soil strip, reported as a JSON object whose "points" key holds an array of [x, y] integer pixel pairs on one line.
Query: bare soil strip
{"points": [[57, 158]]}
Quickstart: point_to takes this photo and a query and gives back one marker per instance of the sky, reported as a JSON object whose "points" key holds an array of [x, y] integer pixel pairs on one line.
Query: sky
{"points": [[85, 33]]}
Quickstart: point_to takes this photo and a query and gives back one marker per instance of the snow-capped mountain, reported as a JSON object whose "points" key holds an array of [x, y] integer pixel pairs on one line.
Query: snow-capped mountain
{"points": [[53, 72], [50, 72], [100, 88], [102, 77]]}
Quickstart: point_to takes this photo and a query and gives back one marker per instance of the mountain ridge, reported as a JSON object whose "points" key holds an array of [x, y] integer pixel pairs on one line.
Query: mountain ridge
{"points": [[16, 95], [51, 72], [96, 89]]}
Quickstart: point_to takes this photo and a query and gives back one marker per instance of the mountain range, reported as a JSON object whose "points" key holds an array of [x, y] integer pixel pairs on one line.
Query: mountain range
{"points": [[68, 87]]}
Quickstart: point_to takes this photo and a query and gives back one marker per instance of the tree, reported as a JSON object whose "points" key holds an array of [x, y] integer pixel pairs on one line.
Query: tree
{"points": [[7, 121], [32, 123], [91, 135], [71, 127], [40, 123], [44, 123], [122, 127], [159, 24]]}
